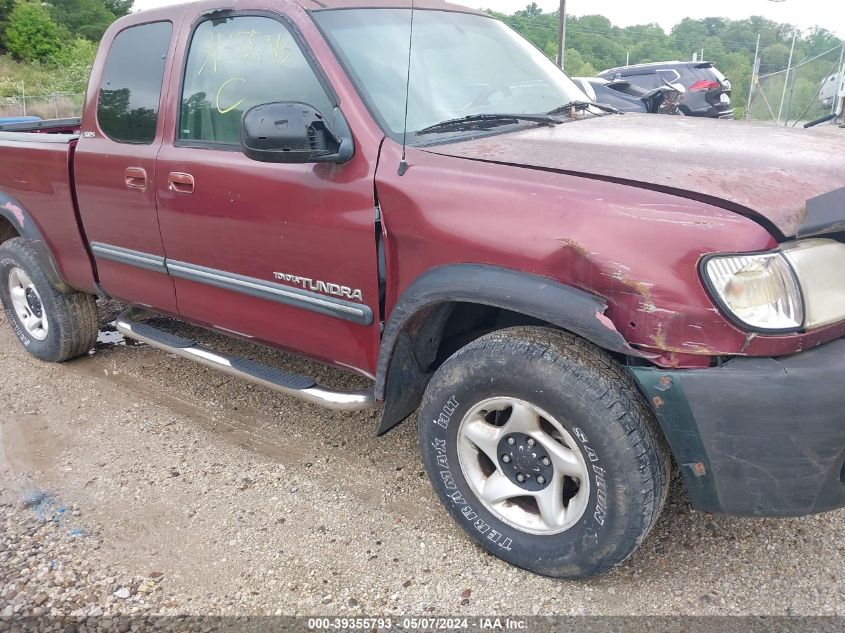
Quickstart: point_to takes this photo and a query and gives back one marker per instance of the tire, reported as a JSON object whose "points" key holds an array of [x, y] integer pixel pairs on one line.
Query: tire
{"points": [[579, 407], [68, 326]]}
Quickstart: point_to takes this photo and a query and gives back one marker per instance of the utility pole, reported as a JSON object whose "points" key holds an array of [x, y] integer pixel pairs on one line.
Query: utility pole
{"points": [[788, 70], [755, 78], [791, 96], [561, 35]]}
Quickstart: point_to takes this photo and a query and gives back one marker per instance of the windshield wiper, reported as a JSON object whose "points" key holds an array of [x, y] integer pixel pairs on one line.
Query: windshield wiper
{"points": [[486, 122], [582, 105]]}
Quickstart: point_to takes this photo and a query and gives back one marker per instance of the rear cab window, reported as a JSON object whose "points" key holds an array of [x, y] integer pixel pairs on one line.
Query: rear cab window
{"points": [[130, 90], [237, 62]]}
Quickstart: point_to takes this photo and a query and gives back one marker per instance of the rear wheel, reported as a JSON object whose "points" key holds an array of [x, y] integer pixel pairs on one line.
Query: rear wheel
{"points": [[52, 325], [543, 451]]}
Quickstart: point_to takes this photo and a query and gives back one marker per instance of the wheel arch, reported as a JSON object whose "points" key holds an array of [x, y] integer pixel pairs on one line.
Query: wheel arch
{"points": [[452, 305], [7, 229], [16, 221]]}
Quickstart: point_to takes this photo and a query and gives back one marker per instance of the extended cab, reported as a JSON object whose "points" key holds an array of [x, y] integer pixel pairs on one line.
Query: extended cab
{"points": [[571, 297]]}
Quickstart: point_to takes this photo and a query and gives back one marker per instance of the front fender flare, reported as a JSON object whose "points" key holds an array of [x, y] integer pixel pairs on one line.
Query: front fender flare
{"points": [[401, 377]]}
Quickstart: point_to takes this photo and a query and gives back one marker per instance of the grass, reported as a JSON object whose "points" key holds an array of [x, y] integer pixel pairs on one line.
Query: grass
{"points": [[52, 91], [36, 77]]}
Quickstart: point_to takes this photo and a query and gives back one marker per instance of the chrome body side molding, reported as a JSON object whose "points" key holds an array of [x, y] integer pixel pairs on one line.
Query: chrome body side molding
{"points": [[280, 293], [130, 257], [339, 308]]}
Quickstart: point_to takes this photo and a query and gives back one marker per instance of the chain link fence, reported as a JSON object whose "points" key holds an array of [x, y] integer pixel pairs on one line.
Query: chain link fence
{"points": [[51, 106], [802, 92]]}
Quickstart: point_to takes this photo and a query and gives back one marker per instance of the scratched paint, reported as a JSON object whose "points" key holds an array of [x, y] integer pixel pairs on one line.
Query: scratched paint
{"points": [[15, 211]]}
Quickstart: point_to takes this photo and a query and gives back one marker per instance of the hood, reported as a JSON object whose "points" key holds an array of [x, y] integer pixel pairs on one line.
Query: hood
{"points": [[770, 174]]}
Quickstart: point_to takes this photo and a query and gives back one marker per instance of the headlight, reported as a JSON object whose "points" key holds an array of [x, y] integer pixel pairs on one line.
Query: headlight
{"points": [[760, 291], [820, 267], [799, 286]]}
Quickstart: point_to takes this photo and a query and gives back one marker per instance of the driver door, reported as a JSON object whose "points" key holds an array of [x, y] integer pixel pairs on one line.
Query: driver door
{"points": [[281, 253]]}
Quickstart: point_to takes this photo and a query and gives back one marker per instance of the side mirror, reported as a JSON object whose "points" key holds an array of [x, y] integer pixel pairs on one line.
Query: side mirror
{"points": [[290, 132]]}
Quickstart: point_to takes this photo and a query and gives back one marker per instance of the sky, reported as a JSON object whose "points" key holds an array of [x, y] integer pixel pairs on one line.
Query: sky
{"points": [[802, 13]]}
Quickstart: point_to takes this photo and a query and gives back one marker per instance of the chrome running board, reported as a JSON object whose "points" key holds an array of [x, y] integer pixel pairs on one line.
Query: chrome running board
{"points": [[130, 323]]}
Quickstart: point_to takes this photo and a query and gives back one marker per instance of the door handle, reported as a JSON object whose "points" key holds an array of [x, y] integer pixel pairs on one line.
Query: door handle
{"points": [[179, 182], [135, 178]]}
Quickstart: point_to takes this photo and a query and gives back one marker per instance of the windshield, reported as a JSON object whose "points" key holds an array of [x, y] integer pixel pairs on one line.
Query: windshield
{"points": [[461, 65]]}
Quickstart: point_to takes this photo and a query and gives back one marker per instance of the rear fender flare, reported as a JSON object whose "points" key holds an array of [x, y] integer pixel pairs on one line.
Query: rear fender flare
{"points": [[423, 309], [21, 220]]}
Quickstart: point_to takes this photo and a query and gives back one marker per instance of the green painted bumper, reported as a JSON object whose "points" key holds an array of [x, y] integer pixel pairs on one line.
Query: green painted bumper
{"points": [[757, 436]]}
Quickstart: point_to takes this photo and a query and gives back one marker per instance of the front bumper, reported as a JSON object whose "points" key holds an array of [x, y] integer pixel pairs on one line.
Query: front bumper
{"points": [[757, 436]]}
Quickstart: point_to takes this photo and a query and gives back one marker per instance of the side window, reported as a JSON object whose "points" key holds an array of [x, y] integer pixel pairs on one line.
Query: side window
{"points": [[127, 107], [643, 80], [236, 63], [669, 75]]}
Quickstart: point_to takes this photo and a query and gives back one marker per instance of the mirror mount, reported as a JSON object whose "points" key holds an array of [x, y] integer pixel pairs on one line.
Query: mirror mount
{"points": [[293, 132]]}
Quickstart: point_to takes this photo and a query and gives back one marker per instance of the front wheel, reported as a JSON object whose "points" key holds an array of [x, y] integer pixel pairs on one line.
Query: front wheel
{"points": [[543, 451]]}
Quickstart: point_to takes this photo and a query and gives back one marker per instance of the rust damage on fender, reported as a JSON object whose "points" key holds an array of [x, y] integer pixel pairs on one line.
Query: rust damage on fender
{"points": [[664, 384], [633, 311], [697, 468]]}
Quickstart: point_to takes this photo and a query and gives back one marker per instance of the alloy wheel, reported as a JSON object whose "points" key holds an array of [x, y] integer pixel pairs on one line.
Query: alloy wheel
{"points": [[523, 465], [26, 302]]}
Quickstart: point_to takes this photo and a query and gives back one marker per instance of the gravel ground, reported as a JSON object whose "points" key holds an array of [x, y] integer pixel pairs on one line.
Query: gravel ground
{"points": [[136, 483]]}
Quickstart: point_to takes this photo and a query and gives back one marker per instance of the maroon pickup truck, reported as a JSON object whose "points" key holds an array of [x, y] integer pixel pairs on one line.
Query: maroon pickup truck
{"points": [[572, 298]]}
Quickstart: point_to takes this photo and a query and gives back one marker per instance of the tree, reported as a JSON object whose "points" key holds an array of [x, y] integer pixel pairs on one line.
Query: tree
{"points": [[596, 24], [530, 12], [6, 7], [119, 8], [77, 52], [602, 52], [774, 57], [31, 34], [73, 65], [86, 18], [650, 51], [714, 26], [688, 36], [820, 40], [576, 66]]}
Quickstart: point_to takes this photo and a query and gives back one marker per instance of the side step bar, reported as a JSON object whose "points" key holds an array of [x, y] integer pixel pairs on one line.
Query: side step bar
{"points": [[130, 323]]}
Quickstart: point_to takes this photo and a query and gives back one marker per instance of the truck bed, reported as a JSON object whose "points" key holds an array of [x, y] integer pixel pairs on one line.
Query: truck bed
{"points": [[36, 175]]}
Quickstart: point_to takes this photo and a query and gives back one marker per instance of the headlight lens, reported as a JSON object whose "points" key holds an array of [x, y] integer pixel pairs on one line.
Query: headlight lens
{"points": [[759, 290], [820, 267]]}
